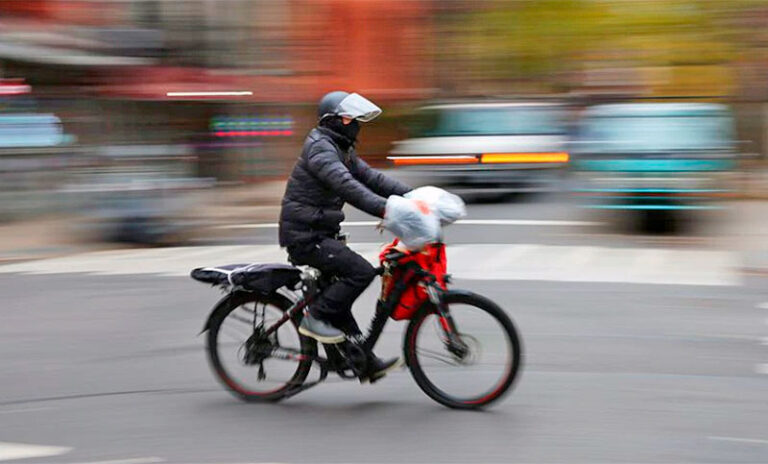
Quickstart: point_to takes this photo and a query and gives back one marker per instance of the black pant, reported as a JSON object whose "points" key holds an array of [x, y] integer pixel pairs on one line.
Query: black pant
{"points": [[354, 274]]}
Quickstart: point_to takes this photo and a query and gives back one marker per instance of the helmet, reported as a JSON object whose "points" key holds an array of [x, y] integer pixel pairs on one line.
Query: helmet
{"points": [[348, 105]]}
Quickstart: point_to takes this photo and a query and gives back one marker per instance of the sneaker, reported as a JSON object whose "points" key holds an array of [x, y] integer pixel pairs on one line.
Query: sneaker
{"points": [[378, 367], [320, 330]]}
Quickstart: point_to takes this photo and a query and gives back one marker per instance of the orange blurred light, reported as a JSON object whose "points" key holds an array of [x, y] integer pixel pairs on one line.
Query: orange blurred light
{"points": [[424, 160], [525, 158]]}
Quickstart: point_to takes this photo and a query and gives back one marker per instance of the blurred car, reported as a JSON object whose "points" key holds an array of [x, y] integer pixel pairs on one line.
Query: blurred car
{"points": [[484, 149], [657, 159], [143, 194]]}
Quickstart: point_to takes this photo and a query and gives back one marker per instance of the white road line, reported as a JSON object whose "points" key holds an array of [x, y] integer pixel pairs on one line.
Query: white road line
{"points": [[650, 258], [523, 222], [507, 257], [9, 451], [764, 341], [16, 411], [248, 226], [741, 440], [150, 460], [761, 369], [579, 257], [466, 222], [459, 253], [763, 305], [465, 261]]}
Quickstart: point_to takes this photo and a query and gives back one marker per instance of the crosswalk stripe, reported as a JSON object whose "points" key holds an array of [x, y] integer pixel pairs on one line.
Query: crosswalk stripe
{"points": [[465, 261], [507, 256], [11, 451]]}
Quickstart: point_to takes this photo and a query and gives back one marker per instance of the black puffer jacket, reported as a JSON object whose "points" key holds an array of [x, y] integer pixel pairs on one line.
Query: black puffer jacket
{"points": [[323, 179]]}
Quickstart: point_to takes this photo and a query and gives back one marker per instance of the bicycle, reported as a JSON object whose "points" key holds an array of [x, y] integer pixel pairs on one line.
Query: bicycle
{"points": [[264, 305]]}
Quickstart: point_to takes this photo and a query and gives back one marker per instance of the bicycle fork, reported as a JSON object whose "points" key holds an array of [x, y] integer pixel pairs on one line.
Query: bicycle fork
{"points": [[452, 338]]}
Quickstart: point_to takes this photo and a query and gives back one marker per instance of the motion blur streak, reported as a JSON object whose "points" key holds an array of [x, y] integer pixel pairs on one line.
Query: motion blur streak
{"points": [[426, 160], [524, 158], [209, 94], [613, 155]]}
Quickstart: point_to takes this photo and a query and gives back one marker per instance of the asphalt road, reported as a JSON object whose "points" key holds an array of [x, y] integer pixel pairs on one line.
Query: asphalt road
{"points": [[110, 368]]}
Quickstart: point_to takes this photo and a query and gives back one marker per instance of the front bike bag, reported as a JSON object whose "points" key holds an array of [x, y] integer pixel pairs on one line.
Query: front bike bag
{"points": [[431, 259]]}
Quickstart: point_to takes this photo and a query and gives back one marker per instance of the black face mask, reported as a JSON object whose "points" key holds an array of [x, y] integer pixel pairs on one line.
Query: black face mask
{"points": [[347, 131]]}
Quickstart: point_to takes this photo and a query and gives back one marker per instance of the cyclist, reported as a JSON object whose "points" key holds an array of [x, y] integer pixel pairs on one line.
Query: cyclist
{"points": [[328, 174]]}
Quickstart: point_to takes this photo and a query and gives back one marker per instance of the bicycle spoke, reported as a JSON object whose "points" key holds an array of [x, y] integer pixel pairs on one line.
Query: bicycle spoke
{"points": [[241, 319], [247, 309], [239, 337], [442, 357]]}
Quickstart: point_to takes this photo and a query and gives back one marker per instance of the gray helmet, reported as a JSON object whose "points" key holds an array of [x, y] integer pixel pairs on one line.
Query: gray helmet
{"points": [[349, 105]]}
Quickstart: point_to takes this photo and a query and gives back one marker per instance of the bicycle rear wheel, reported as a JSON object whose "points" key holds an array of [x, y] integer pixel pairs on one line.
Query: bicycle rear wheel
{"points": [[247, 361], [479, 373]]}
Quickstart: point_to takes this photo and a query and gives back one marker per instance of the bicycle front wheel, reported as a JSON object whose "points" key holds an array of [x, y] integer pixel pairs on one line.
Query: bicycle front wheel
{"points": [[474, 369]]}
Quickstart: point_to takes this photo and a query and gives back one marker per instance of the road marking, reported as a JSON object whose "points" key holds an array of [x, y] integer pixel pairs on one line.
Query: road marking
{"points": [[763, 305], [149, 460], [764, 341], [507, 257], [465, 222], [761, 369], [467, 261], [741, 440], [9, 451], [580, 257], [523, 222], [14, 411]]}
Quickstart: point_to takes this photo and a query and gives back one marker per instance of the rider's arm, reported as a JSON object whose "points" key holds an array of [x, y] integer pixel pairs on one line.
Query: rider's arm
{"points": [[326, 165], [377, 181]]}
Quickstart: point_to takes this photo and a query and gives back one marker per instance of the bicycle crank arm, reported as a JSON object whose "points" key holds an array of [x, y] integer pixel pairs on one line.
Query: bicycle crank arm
{"points": [[306, 386]]}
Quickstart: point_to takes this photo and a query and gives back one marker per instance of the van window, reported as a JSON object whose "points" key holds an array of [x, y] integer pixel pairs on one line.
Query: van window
{"points": [[490, 121], [642, 134]]}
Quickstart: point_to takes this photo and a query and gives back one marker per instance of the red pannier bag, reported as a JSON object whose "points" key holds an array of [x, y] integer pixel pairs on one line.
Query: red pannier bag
{"points": [[431, 259]]}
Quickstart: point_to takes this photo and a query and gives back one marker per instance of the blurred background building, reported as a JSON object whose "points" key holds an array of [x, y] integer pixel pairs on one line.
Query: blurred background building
{"points": [[131, 88]]}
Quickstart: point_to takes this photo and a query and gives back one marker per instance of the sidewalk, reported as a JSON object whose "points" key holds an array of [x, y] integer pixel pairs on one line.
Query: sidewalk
{"points": [[244, 203], [40, 238]]}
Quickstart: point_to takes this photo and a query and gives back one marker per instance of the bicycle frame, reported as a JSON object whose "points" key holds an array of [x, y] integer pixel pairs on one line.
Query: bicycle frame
{"points": [[385, 308]]}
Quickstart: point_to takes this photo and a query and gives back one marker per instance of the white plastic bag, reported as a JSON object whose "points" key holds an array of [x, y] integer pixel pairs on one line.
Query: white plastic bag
{"points": [[412, 221], [448, 207]]}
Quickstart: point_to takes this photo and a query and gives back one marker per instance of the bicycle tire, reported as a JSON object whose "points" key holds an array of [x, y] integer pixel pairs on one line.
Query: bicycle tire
{"points": [[421, 377], [232, 302]]}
